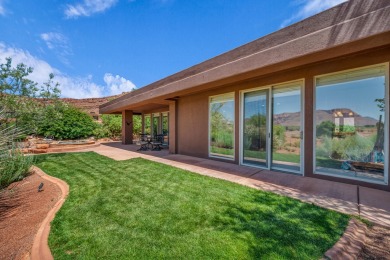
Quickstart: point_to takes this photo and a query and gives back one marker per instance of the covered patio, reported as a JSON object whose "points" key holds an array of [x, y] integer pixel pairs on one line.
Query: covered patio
{"points": [[154, 122]]}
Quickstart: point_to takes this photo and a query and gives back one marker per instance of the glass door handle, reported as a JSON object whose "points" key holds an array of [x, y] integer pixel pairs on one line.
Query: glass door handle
{"points": [[301, 135]]}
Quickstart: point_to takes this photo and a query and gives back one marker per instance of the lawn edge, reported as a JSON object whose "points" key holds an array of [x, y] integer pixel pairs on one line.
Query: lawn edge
{"points": [[350, 243], [40, 249]]}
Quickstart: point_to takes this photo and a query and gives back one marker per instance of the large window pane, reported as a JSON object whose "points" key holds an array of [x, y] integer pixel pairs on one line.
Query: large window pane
{"points": [[165, 127], [255, 128], [350, 124], [147, 125], [286, 127], [156, 124], [222, 126]]}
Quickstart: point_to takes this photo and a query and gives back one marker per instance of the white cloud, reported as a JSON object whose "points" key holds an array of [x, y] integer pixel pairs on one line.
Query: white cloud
{"points": [[2, 9], [309, 8], [88, 7], [118, 84], [73, 87], [58, 43]]}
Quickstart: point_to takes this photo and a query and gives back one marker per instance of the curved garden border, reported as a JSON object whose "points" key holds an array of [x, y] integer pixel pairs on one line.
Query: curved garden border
{"points": [[40, 249], [351, 242]]}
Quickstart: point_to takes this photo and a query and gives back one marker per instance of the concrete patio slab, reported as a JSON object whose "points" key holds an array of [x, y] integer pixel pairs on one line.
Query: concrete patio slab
{"points": [[374, 204]]}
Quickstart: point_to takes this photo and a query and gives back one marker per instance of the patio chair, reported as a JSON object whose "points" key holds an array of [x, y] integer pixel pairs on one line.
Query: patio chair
{"points": [[157, 142], [143, 142]]}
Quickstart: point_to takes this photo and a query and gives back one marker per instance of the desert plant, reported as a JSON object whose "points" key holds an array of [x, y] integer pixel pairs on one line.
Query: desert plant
{"points": [[350, 148], [13, 164]]}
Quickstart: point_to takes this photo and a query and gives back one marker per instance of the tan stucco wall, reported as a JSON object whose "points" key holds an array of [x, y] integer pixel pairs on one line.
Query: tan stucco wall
{"points": [[192, 117]]}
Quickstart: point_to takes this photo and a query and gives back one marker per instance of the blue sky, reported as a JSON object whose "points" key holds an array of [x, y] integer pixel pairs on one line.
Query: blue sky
{"points": [[104, 47]]}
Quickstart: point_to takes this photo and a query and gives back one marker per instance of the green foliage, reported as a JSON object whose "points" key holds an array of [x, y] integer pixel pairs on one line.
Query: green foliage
{"points": [[111, 126], [50, 90], [222, 129], [326, 128], [347, 129], [21, 99], [255, 132], [353, 147], [63, 121], [13, 164], [147, 125], [278, 137], [14, 81]]}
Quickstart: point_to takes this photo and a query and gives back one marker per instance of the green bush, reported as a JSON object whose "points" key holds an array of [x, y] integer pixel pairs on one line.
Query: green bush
{"points": [[353, 147], [63, 121], [326, 128], [13, 164], [278, 137], [111, 126]]}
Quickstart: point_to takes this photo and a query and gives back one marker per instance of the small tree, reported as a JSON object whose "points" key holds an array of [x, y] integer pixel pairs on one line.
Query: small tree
{"points": [[326, 128], [21, 99]]}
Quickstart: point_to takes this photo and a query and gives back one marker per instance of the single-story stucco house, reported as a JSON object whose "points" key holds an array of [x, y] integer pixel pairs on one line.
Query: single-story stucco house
{"points": [[310, 99]]}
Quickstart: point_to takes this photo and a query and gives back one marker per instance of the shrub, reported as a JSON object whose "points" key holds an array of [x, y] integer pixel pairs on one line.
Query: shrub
{"points": [[111, 126], [278, 137], [353, 147], [63, 121], [326, 128], [13, 164]]}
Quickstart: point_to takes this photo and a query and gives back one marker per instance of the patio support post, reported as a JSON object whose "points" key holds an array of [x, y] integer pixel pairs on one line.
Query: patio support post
{"points": [[173, 127], [127, 127], [142, 123], [308, 128]]}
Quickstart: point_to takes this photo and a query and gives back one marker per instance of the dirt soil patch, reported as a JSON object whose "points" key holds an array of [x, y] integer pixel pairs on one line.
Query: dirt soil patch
{"points": [[22, 209], [377, 245]]}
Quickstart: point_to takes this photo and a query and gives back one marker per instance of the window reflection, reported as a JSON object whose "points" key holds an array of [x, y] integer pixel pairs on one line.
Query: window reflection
{"points": [[286, 127], [350, 121], [222, 126], [147, 124], [255, 128]]}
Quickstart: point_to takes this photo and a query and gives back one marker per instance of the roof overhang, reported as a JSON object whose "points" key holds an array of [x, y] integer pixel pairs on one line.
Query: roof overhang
{"points": [[349, 28]]}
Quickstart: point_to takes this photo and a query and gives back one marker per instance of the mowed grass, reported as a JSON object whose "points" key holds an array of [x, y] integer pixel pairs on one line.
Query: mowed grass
{"points": [[138, 209]]}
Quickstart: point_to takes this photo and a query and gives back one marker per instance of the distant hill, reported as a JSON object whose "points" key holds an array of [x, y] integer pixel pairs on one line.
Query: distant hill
{"points": [[292, 119], [90, 105]]}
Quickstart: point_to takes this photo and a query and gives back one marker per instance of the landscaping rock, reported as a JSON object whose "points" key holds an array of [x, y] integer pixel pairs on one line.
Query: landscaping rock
{"points": [[42, 146], [36, 150]]}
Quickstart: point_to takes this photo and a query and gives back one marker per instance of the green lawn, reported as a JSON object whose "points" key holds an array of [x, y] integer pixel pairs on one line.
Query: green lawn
{"points": [[138, 209]]}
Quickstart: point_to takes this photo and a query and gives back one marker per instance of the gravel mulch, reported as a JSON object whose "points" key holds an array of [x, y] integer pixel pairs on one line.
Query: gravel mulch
{"points": [[377, 245], [22, 209]]}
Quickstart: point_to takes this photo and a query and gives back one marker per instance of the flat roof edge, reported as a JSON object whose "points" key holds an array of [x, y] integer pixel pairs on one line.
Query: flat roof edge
{"points": [[363, 26]]}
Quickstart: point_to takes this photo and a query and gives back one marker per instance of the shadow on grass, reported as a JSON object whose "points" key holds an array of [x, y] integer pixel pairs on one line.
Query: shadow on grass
{"points": [[277, 227]]}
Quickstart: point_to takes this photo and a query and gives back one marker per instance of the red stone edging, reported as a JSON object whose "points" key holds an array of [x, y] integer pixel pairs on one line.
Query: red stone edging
{"points": [[40, 249], [71, 148], [350, 244]]}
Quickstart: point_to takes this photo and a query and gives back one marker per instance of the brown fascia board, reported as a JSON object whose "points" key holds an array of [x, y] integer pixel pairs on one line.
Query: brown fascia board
{"points": [[348, 22]]}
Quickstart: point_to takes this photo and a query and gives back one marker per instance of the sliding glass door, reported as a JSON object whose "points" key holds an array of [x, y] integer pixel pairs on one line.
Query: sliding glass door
{"points": [[271, 127], [286, 127], [255, 124]]}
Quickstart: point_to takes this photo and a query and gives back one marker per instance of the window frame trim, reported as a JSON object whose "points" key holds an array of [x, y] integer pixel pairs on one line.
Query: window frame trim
{"points": [[385, 181], [228, 158]]}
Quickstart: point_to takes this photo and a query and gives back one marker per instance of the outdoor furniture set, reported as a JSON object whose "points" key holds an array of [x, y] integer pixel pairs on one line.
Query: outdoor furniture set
{"points": [[148, 142]]}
